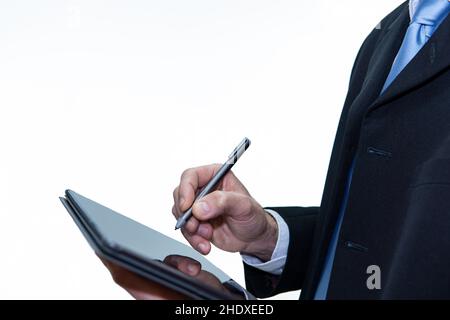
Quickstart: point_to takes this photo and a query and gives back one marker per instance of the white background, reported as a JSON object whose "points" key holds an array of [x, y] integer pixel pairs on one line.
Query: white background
{"points": [[114, 99]]}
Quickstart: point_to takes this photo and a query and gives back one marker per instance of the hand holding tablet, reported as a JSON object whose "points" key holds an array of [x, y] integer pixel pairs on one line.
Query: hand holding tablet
{"points": [[144, 261]]}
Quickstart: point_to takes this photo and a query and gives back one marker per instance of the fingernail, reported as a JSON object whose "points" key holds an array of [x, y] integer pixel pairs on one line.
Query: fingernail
{"points": [[205, 206], [203, 247], [192, 269]]}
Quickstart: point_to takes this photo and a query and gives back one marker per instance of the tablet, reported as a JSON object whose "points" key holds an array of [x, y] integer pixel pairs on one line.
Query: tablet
{"points": [[141, 249]]}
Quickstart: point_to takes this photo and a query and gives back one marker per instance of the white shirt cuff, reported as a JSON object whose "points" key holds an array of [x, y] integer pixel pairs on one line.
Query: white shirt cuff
{"points": [[276, 264]]}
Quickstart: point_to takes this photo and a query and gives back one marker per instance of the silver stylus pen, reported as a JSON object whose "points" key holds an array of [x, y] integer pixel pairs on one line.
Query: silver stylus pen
{"points": [[232, 159]]}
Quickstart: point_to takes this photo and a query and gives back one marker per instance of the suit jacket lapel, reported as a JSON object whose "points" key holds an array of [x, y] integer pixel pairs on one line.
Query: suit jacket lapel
{"points": [[381, 62], [433, 58]]}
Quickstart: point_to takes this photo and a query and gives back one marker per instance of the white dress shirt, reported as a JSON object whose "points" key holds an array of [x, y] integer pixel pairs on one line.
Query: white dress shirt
{"points": [[276, 264]]}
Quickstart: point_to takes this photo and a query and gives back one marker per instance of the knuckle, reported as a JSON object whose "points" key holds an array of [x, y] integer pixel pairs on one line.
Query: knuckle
{"points": [[174, 210], [215, 167], [175, 193], [220, 198], [247, 204], [186, 173], [191, 225]]}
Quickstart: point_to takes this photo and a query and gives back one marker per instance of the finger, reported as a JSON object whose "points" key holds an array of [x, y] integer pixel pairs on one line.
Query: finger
{"points": [[220, 203], [192, 180], [197, 242], [139, 287], [188, 236], [205, 230], [184, 264], [175, 211], [176, 205], [192, 225]]}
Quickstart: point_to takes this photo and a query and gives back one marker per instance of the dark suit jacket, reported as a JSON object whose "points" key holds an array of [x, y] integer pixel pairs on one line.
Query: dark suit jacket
{"points": [[398, 212]]}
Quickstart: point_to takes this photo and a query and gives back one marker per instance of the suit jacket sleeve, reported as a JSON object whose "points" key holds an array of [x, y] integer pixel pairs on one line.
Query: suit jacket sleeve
{"points": [[301, 222]]}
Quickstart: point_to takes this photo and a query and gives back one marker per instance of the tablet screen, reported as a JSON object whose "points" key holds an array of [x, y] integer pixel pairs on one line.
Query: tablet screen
{"points": [[128, 235]]}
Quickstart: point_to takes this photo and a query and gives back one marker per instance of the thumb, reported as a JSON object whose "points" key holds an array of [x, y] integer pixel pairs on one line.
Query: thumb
{"points": [[220, 203], [184, 264]]}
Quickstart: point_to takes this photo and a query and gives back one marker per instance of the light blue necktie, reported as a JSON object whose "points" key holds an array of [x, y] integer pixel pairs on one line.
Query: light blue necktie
{"points": [[428, 16]]}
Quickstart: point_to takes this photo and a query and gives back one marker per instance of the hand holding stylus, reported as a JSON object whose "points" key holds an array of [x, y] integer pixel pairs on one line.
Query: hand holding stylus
{"points": [[229, 217], [215, 179]]}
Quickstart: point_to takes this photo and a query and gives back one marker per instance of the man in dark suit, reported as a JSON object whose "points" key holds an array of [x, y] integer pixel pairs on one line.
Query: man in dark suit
{"points": [[382, 229]]}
